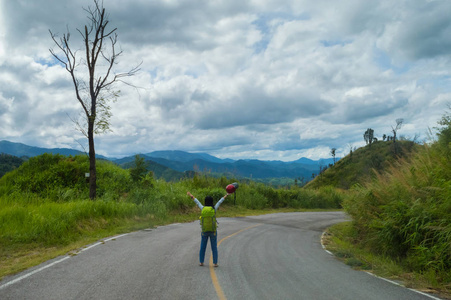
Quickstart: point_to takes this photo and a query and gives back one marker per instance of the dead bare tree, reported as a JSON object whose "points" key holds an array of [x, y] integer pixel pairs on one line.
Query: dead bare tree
{"points": [[93, 76], [394, 130]]}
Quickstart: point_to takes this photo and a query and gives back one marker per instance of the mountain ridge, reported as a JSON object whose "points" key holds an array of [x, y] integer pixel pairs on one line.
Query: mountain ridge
{"points": [[182, 161], [21, 150]]}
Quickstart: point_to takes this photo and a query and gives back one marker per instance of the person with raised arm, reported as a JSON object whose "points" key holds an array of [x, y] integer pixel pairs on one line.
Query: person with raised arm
{"points": [[209, 227]]}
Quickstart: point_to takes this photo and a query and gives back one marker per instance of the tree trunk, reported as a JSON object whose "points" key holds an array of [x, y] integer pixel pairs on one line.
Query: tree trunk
{"points": [[92, 162], [394, 142]]}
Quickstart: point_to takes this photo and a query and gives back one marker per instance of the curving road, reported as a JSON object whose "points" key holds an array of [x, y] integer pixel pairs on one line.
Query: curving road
{"points": [[277, 256]]}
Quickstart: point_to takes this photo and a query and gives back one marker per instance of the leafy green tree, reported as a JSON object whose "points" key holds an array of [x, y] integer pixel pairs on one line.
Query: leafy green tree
{"points": [[369, 136], [139, 170]]}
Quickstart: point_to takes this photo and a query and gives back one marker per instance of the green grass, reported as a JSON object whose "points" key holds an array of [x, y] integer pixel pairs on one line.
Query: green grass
{"points": [[401, 211], [342, 240], [400, 204], [405, 213]]}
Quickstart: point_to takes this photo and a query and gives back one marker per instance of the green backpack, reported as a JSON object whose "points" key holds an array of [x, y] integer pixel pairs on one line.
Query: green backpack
{"points": [[207, 219]]}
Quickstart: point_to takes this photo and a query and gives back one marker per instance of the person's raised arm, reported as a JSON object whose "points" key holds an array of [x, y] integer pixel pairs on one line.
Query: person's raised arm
{"points": [[220, 201], [195, 200]]}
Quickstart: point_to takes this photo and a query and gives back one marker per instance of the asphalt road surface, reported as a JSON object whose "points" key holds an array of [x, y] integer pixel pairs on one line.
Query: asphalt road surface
{"points": [[277, 256]]}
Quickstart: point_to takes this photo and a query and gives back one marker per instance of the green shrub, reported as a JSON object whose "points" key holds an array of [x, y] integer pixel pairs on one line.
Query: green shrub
{"points": [[53, 223], [406, 213]]}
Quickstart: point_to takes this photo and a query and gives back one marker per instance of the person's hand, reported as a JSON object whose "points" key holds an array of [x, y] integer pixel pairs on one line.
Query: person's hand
{"points": [[191, 195], [226, 195]]}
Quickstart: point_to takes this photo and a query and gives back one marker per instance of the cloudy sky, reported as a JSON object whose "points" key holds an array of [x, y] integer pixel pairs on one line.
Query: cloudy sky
{"points": [[261, 79]]}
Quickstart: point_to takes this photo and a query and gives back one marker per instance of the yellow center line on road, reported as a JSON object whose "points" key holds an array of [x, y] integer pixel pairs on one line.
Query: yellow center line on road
{"points": [[216, 284]]}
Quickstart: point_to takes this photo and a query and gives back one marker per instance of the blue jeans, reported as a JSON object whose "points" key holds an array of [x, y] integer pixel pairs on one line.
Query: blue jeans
{"points": [[203, 246]]}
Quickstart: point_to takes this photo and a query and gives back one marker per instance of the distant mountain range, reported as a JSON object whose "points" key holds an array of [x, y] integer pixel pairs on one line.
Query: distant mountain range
{"points": [[182, 156], [20, 150], [181, 161]]}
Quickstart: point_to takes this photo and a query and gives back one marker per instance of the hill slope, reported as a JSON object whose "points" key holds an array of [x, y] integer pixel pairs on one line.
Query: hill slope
{"points": [[404, 212], [358, 167]]}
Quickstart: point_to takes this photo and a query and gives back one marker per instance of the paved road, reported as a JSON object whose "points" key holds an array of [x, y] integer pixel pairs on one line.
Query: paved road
{"points": [[276, 256]]}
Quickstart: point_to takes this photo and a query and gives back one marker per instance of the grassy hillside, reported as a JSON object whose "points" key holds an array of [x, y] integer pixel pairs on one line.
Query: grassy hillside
{"points": [[401, 210], [405, 214], [360, 166]]}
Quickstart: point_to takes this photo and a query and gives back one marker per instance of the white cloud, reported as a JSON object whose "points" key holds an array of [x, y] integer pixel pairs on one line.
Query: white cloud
{"points": [[255, 79]]}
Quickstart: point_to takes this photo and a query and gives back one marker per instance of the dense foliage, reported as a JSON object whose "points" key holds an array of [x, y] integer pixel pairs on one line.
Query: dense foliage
{"points": [[405, 212], [9, 163]]}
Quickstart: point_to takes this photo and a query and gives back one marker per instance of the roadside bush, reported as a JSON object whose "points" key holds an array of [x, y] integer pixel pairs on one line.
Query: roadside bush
{"points": [[112, 181], [61, 178], [253, 200], [57, 223], [406, 213], [45, 175], [326, 197]]}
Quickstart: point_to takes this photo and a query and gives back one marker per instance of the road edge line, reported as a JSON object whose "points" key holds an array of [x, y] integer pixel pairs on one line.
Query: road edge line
{"points": [[58, 261], [385, 279]]}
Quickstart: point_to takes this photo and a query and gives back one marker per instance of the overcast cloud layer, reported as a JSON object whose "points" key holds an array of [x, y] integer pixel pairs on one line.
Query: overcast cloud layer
{"points": [[263, 79]]}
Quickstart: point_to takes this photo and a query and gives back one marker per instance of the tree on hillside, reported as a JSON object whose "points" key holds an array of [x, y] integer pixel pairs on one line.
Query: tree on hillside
{"points": [[369, 136], [394, 130], [139, 170], [332, 152], [92, 76], [397, 127], [350, 150]]}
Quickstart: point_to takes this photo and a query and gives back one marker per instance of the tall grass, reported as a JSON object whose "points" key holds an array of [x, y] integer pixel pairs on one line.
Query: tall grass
{"points": [[57, 223], [405, 213]]}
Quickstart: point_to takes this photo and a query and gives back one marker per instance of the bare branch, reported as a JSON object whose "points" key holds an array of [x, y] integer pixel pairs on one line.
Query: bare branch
{"points": [[96, 91], [69, 64]]}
